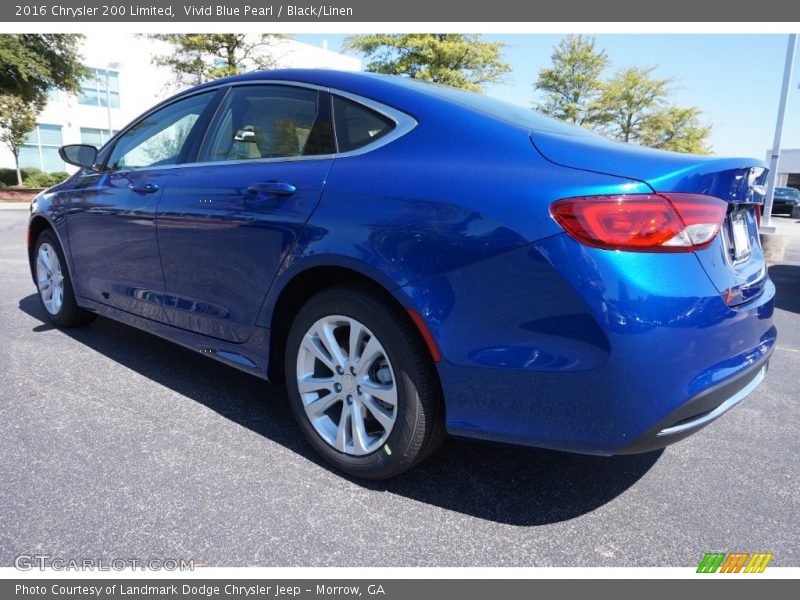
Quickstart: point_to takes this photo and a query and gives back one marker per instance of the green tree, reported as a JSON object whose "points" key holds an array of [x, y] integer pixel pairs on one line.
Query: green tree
{"points": [[32, 64], [458, 60], [573, 84], [17, 120], [632, 106], [677, 129], [198, 57], [629, 101]]}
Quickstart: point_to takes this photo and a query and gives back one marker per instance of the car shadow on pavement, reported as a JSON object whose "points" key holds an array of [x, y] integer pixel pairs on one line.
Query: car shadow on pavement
{"points": [[787, 285], [510, 485]]}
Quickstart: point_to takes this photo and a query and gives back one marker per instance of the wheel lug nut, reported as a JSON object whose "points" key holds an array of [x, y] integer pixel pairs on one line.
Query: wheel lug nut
{"points": [[337, 387], [339, 370], [352, 370]]}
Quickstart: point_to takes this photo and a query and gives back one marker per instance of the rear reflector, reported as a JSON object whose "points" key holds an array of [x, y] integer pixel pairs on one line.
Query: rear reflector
{"points": [[426, 335], [642, 222]]}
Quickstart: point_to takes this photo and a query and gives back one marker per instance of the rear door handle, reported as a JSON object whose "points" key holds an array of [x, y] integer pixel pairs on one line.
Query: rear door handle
{"points": [[280, 188], [143, 188]]}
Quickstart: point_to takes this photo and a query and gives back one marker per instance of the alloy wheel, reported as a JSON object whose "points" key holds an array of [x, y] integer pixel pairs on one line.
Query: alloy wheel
{"points": [[347, 385], [49, 278]]}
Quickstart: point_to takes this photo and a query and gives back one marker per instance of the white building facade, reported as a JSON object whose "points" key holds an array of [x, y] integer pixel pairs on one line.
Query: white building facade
{"points": [[123, 85], [788, 168]]}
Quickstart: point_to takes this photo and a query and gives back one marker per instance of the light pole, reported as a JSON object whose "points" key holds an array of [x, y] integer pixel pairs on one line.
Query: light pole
{"points": [[776, 144], [109, 66]]}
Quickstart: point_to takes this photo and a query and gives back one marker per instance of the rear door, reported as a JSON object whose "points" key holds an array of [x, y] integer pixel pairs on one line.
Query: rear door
{"points": [[226, 222]]}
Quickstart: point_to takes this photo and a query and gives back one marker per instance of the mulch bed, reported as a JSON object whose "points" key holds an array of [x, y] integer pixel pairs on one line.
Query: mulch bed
{"points": [[17, 195]]}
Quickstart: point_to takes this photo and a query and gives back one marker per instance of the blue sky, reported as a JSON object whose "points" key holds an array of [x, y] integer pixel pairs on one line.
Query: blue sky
{"points": [[734, 79]]}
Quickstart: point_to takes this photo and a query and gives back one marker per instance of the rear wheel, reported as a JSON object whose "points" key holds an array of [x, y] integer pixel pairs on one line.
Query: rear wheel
{"points": [[361, 383], [55, 285]]}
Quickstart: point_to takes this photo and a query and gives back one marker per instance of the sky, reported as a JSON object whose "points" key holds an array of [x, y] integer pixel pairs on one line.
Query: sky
{"points": [[734, 79]]}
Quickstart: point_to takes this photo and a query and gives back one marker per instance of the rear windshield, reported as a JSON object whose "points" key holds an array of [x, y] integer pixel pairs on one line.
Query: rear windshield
{"points": [[499, 109], [786, 193]]}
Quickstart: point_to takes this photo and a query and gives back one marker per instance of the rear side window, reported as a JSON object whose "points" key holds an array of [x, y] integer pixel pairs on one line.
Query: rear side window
{"points": [[267, 121], [356, 125]]}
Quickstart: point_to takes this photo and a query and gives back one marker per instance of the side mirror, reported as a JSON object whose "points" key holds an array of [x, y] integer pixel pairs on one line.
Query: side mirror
{"points": [[80, 155]]}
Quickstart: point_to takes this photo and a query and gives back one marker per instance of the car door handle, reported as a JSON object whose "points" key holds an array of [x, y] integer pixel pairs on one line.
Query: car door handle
{"points": [[143, 188], [280, 188]]}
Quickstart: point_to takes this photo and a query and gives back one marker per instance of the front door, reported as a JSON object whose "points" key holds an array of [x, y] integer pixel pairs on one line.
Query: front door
{"points": [[112, 214], [226, 223]]}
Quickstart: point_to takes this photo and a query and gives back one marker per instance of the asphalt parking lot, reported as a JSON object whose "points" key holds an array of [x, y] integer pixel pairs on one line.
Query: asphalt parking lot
{"points": [[116, 444]]}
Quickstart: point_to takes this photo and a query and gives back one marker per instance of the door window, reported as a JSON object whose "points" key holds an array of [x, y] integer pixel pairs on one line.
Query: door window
{"points": [[159, 138], [357, 125], [268, 121]]}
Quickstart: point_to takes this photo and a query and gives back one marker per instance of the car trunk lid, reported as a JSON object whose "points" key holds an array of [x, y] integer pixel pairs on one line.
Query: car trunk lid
{"points": [[734, 261]]}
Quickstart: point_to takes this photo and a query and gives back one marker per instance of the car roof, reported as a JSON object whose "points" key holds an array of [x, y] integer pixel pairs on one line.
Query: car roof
{"points": [[413, 96]]}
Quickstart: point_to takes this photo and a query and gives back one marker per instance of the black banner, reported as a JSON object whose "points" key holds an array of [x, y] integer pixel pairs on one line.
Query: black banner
{"points": [[387, 589], [332, 11]]}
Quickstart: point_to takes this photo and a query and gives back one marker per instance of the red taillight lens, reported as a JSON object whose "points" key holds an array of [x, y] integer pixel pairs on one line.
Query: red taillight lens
{"points": [[642, 222]]}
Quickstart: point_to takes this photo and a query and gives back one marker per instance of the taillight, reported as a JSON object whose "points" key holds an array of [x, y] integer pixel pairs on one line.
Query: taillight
{"points": [[758, 215], [642, 222]]}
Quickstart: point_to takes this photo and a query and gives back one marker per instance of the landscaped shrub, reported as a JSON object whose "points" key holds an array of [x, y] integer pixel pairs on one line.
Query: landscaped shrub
{"points": [[44, 180], [32, 177]]}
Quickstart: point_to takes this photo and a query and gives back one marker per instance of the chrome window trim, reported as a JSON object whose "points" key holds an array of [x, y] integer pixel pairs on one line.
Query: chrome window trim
{"points": [[403, 124]]}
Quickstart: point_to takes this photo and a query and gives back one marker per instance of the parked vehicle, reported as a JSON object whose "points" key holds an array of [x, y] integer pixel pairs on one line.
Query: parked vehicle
{"points": [[414, 260], [784, 200]]}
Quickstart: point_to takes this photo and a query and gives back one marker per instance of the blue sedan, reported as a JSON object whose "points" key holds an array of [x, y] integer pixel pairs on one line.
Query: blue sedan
{"points": [[413, 260]]}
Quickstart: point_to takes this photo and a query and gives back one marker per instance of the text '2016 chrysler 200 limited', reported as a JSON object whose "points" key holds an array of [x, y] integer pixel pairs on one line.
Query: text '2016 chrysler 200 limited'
{"points": [[414, 260]]}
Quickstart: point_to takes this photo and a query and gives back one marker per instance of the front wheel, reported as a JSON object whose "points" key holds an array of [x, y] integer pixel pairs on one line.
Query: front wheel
{"points": [[54, 283], [361, 383]]}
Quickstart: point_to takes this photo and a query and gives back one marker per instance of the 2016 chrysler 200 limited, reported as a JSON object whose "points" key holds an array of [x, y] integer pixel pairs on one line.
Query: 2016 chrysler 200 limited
{"points": [[414, 260]]}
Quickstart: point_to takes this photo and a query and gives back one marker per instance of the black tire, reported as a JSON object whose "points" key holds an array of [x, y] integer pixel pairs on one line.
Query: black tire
{"points": [[70, 314], [418, 429]]}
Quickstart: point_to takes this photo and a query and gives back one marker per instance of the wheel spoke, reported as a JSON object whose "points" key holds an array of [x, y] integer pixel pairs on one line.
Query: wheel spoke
{"points": [[316, 407], [310, 383], [359, 431], [315, 347], [41, 268], [357, 334], [381, 415], [44, 254], [384, 392], [343, 428], [372, 351], [325, 334]]}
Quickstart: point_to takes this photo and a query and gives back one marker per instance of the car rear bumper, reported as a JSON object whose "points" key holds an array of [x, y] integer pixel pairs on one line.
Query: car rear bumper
{"points": [[783, 207], [561, 346], [701, 410]]}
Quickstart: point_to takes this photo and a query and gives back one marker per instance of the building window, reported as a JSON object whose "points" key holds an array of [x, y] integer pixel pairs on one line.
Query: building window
{"points": [[95, 137], [94, 91], [40, 149]]}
